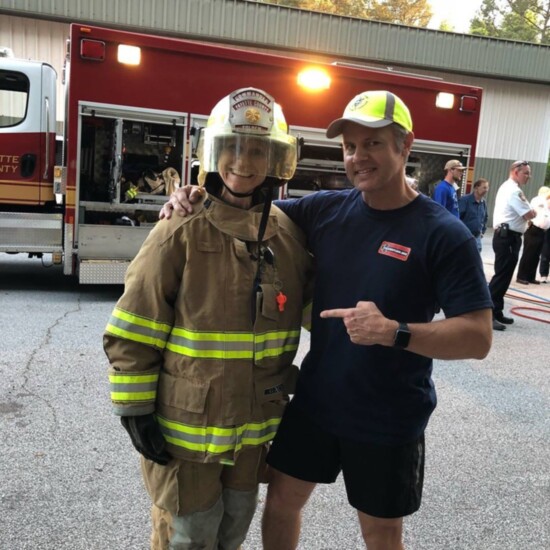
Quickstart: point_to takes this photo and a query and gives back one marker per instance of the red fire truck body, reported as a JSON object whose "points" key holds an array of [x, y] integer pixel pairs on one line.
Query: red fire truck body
{"points": [[127, 123]]}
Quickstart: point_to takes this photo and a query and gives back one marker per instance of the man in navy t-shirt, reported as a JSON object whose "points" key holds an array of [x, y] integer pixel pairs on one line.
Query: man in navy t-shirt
{"points": [[386, 259]]}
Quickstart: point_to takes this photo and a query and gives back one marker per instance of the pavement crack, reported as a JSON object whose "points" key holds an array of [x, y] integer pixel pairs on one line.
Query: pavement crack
{"points": [[26, 374]]}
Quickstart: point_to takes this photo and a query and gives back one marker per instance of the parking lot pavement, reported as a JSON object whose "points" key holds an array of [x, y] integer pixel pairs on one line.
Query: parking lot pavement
{"points": [[70, 478]]}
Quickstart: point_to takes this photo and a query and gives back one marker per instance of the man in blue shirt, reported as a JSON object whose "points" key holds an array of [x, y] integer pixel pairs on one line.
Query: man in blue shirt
{"points": [[445, 192], [473, 210]]}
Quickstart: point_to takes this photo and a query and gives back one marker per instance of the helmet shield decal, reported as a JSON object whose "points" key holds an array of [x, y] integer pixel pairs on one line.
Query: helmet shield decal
{"points": [[251, 111]]}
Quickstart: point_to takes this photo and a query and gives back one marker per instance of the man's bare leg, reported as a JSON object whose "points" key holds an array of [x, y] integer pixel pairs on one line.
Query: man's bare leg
{"points": [[282, 517], [381, 533]]}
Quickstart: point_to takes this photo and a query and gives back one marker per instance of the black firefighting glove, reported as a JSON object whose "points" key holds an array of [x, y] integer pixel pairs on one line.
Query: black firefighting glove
{"points": [[147, 438]]}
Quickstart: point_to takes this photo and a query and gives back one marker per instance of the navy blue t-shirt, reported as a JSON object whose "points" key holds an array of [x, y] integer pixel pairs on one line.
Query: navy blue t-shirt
{"points": [[407, 261]]}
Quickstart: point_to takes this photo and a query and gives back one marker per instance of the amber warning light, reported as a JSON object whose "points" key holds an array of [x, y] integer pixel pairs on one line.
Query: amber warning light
{"points": [[314, 79]]}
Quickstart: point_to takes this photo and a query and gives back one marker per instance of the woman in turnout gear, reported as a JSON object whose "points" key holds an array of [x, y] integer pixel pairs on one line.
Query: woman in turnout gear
{"points": [[202, 341]]}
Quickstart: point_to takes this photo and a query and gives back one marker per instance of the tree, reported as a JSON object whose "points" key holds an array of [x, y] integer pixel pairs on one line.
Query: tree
{"points": [[406, 12], [525, 20]]}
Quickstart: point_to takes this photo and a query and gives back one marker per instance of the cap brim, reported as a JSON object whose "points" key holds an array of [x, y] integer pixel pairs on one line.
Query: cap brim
{"points": [[336, 127]]}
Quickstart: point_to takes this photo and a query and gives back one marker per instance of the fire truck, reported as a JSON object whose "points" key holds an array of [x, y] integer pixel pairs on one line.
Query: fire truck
{"points": [[133, 106]]}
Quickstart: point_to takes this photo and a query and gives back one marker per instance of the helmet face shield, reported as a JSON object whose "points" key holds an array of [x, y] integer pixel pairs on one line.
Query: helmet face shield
{"points": [[248, 155], [246, 134]]}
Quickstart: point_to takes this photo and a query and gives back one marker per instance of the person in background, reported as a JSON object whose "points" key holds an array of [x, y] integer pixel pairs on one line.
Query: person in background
{"points": [[365, 391], [510, 217], [533, 239], [473, 210], [544, 267], [445, 192], [202, 341]]}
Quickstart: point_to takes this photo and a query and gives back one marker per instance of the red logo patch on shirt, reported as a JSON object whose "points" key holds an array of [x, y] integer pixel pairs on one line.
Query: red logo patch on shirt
{"points": [[395, 251]]}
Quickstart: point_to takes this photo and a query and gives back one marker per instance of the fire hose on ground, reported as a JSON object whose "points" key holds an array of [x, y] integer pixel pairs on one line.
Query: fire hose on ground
{"points": [[543, 306]]}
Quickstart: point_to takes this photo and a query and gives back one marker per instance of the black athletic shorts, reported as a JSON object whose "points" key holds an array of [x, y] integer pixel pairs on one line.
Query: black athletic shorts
{"points": [[381, 481]]}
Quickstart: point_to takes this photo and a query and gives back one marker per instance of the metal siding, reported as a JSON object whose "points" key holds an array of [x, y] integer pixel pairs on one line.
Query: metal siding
{"points": [[515, 118], [275, 26]]}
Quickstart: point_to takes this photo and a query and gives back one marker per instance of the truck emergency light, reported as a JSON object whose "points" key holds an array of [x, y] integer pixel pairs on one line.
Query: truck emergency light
{"points": [[92, 49], [445, 100], [129, 55], [468, 104], [314, 79]]}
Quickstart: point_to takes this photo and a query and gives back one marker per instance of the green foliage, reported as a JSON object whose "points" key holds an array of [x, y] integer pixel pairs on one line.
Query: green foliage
{"points": [[446, 26], [405, 12], [525, 20]]}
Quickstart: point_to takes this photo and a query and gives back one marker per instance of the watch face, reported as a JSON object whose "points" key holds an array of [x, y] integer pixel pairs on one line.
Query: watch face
{"points": [[402, 336]]}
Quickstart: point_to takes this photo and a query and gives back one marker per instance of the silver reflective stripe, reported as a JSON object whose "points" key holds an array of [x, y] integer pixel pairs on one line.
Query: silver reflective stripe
{"points": [[134, 388], [272, 345], [236, 345], [390, 106], [211, 345], [216, 440], [138, 329]]}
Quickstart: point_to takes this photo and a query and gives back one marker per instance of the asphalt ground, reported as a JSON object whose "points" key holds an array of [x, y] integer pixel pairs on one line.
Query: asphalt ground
{"points": [[70, 480]]}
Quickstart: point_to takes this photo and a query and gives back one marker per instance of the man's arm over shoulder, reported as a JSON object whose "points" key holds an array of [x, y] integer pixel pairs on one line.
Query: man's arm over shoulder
{"points": [[301, 210]]}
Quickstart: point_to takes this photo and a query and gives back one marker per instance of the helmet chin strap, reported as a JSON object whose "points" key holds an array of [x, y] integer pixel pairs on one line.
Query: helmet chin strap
{"points": [[239, 195], [259, 256]]}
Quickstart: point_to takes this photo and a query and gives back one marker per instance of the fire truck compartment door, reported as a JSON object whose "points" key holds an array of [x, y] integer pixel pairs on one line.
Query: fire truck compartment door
{"points": [[110, 242], [456, 150], [131, 113]]}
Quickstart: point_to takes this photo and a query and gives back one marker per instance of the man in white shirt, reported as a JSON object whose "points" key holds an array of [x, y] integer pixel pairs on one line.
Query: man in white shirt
{"points": [[533, 238], [510, 217]]}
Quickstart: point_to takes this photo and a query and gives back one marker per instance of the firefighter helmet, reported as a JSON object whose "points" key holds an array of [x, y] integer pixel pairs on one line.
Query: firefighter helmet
{"points": [[245, 117]]}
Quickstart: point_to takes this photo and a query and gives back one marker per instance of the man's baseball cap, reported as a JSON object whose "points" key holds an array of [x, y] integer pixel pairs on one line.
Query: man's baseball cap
{"points": [[373, 109], [452, 164]]}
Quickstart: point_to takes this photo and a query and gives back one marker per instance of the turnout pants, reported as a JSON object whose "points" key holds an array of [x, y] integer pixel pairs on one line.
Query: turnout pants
{"points": [[200, 506], [506, 251]]}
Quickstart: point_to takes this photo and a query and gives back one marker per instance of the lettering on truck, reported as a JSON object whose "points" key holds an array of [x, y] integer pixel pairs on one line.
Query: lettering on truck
{"points": [[8, 164]]}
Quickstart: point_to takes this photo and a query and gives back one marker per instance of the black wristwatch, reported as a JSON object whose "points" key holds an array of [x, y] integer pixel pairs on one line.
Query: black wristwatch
{"points": [[402, 336]]}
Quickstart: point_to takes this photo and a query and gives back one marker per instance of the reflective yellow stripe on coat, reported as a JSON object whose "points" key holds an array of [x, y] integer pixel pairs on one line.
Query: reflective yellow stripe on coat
{"points": [[232, 345], [131, 388], [138, 329], [216, 440]]}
